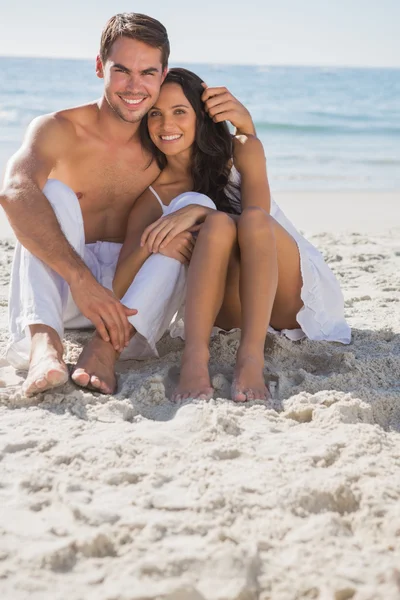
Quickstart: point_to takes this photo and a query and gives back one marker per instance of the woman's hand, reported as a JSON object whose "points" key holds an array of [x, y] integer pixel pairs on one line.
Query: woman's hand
{"points": [[221, 105], [181, 247], [158, 235]]}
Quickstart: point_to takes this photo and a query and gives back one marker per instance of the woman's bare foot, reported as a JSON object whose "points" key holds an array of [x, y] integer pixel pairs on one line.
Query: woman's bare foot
{"points": [[248, 380], [46, 366], [194, 380], [95, 367]]}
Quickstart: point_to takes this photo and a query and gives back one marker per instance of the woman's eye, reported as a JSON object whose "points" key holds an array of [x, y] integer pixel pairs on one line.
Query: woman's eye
{"points": [[179, 111], [154, 113]]}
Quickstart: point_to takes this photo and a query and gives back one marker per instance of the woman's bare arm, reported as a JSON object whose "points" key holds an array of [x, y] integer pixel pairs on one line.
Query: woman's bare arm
{"points": [[145, 211], [249, 159]]}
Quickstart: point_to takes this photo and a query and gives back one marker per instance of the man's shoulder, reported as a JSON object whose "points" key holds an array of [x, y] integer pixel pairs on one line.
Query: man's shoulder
{"points": [[78, 115], [64, 123]]}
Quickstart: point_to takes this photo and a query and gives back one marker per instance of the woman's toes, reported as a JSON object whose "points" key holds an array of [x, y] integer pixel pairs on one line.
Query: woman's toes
{"points": [[237, 394]]}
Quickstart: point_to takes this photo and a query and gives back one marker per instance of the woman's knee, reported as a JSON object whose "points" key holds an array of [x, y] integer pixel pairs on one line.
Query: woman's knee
{"points": [[220, 226], [254, 220]]}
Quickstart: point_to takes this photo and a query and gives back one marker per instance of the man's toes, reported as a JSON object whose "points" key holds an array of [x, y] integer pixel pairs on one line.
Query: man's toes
{"points": [[95, 382], [57, 376], [80, 377], [41, 383], [101, 386], [29, 388]]}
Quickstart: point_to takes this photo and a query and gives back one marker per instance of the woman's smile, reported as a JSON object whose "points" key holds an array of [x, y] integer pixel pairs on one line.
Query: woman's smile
{"points": [[171, 137]]}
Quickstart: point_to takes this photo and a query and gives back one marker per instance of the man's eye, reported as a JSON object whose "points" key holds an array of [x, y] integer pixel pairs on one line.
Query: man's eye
{"points": [[151, 74]]}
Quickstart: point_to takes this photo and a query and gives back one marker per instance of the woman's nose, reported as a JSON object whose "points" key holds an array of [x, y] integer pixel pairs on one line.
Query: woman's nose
{"points": [[168, 123]]}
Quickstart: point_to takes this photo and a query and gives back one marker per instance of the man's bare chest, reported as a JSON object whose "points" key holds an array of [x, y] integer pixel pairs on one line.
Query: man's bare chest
{"points": [[106, 180]]}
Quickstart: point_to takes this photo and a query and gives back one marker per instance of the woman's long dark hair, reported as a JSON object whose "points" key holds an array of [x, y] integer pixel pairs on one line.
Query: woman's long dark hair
{"points": [[212, 148]]}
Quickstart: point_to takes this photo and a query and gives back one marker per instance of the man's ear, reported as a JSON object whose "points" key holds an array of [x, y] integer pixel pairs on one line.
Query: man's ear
{"points": [[164, 74], [99, 67]]}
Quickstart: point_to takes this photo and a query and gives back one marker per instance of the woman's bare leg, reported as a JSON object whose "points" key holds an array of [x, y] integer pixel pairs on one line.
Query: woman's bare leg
{"points": [[263, 287], [257, 288], [205, 292]]}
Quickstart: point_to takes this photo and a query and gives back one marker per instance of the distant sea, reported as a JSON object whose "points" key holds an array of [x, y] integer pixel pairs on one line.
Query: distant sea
{"points": [[322, 128]]}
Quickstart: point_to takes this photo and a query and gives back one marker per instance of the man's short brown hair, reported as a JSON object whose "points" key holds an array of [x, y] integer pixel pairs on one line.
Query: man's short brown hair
{"points": [[137, 27]]}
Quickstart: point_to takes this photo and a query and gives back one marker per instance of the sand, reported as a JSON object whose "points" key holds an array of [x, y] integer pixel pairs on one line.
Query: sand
{"points": [[134, 498]]}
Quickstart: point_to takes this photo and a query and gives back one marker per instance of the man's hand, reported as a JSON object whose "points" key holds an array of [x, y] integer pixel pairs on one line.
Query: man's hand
{"points": [[181, 246], [221, 105], [102, 307]]}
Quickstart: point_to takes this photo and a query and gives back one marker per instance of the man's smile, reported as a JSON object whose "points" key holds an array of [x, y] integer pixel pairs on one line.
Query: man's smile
{"points": [[133, 101]]}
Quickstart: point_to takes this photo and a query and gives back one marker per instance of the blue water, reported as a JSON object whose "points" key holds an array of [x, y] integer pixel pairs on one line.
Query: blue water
{"points": [[322, 128]]}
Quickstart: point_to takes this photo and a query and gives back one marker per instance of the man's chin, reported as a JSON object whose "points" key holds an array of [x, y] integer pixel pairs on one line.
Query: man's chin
{"points": [[129, 116]]}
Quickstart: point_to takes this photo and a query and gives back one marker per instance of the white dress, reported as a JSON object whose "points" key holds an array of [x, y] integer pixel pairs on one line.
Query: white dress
{"points": [[322, 314]]}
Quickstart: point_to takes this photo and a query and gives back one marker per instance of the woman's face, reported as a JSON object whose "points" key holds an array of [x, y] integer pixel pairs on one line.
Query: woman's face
{"points": [[172, 121]]}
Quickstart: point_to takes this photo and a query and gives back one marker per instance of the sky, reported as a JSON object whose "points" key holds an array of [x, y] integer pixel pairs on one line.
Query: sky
{"points": [[267, 32]]}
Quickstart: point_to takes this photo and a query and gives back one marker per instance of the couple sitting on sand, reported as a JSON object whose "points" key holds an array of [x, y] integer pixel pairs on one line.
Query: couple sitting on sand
{"points": [[129, 208]]}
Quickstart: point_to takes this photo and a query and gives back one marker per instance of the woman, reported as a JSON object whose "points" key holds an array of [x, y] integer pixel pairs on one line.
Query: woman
{"points": [[250, 268]]}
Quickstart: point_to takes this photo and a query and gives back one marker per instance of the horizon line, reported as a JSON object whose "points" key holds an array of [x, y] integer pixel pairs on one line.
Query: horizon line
{"points": [[218, 64]]}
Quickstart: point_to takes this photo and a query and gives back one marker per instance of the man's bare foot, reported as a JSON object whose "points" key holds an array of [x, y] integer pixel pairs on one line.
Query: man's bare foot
{"points": [[95, 367], [46, 366], [194, 380], [248, 380]]}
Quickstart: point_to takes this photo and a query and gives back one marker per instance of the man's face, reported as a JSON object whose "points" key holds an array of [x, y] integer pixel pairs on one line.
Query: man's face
{"points": [[132, 77]]}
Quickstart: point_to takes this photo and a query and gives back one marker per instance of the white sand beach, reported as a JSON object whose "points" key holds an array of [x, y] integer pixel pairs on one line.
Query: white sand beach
{"points": [[131, 497]]}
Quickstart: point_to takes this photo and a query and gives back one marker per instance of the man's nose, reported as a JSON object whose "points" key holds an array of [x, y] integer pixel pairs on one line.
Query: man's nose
{"points": [[133, 83]]}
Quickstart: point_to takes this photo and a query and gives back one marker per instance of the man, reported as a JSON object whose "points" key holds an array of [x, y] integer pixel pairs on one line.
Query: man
{"points": [[81, 170]]}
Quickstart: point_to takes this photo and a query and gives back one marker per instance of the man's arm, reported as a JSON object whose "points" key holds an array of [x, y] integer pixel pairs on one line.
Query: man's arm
{"points": [[33, 220], [221, 105], [28, 210]]}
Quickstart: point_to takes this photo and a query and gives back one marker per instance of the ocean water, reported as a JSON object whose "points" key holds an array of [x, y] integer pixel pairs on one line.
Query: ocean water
{"points": [[322, 128]]}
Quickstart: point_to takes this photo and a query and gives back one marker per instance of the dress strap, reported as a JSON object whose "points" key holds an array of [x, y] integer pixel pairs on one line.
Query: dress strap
{"points": [[158, 198]]}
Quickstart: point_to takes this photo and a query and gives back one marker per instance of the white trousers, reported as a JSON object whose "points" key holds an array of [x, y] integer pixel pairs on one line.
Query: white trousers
{"points": [[38, 295]]}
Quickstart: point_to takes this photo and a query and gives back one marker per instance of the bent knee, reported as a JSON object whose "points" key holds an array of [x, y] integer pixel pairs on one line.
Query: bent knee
{"points": [[254, 219], [219, 224]]}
